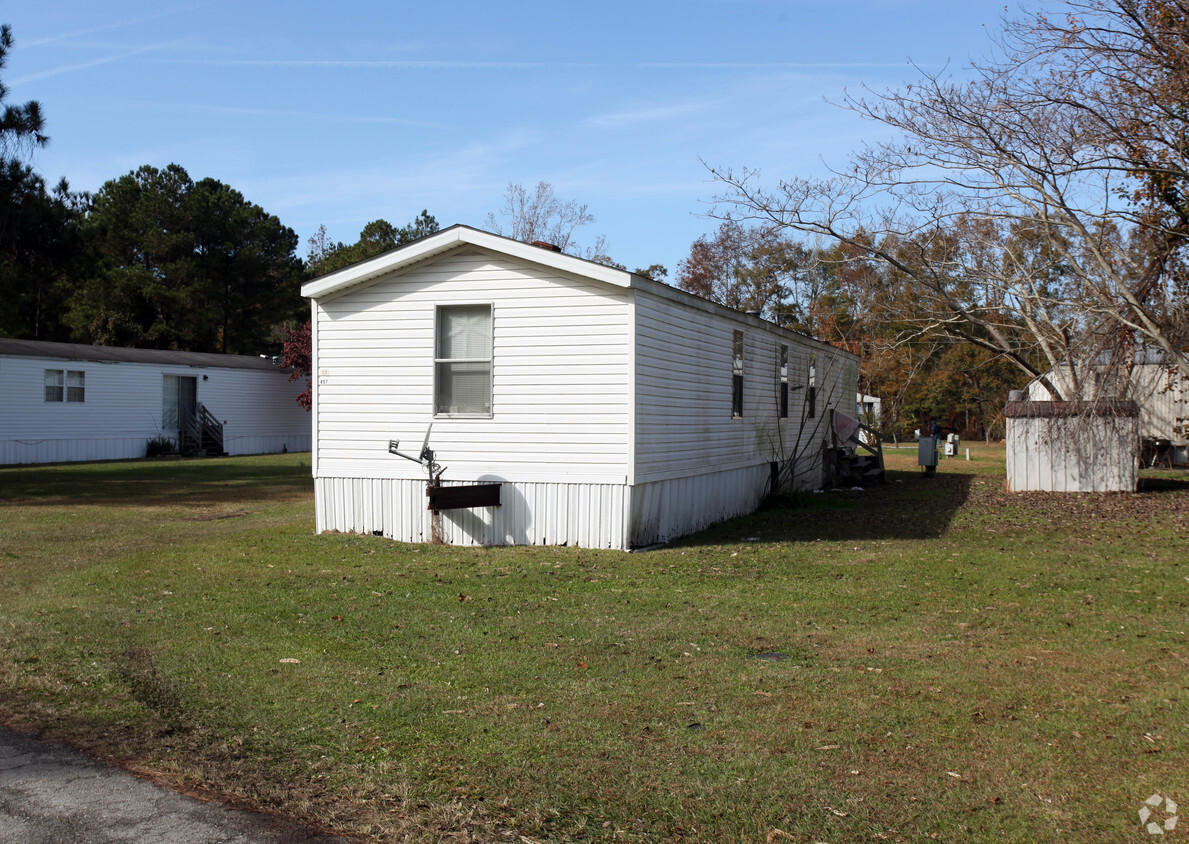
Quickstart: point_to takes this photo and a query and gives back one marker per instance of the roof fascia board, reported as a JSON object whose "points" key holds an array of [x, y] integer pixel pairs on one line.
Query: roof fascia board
{"points": [[404, 256]]}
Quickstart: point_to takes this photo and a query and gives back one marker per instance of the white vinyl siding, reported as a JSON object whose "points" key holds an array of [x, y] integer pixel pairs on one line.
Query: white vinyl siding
{"points": [[1162, 394], [684, 370], [559, 385]]}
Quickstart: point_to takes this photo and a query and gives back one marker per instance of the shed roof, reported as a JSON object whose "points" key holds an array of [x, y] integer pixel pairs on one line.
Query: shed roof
{"points": [[117, 354]]}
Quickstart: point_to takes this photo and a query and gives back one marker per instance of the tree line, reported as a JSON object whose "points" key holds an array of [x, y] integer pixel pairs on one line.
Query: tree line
{"points": [[154, 258]]}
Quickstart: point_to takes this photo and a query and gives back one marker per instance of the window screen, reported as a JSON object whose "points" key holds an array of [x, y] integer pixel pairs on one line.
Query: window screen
{"points": [[463, 360]]}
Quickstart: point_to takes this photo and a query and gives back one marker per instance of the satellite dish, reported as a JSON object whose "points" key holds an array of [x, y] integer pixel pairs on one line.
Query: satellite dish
{"points": [[425, 457]]}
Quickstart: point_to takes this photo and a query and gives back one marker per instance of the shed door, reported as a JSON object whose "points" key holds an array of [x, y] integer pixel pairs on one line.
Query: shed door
{"points": [[179, 398]]}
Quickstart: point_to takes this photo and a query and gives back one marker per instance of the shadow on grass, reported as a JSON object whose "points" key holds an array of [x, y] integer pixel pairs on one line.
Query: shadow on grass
{"points": [[1164, 482], [909, 506], [168, 480]]}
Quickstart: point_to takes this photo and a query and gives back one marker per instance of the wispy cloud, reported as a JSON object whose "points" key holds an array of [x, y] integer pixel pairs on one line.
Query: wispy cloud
{"points": [[452, 177], [389, 64], [72, 68], [107, 27], [296, 114], [651, 114], [472, 64], [767, 65]]}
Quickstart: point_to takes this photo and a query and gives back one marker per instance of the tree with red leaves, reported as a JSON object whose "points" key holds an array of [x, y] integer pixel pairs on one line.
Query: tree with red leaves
{"points": [[296, 353]]}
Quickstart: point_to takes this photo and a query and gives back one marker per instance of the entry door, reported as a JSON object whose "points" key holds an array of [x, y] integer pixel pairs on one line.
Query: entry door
{"points": [[179, 399]]}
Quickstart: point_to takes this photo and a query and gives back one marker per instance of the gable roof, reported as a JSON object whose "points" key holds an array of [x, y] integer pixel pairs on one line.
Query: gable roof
{"points": [[460, 235], [117, 354], [451, 238]]}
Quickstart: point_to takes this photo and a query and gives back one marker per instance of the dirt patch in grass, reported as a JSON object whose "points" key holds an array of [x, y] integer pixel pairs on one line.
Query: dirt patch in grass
{"points": [[215, 516]]}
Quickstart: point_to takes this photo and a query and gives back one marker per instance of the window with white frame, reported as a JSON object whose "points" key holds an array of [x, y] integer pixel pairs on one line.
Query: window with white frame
{"points": [[782, 376], [737, 375], [68, 385], [462, 361]]}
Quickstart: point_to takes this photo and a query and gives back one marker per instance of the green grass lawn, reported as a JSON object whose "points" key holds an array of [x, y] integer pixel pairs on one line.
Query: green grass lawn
{"points": [[932, 659]]}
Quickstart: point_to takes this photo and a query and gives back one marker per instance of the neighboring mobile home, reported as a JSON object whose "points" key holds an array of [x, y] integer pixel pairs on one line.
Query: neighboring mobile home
{"points": [[1159, 390], [599, 408], [68, 402]]}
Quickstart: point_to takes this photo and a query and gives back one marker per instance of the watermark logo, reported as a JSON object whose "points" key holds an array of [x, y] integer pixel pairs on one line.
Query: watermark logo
{"points": [[1158, 815]]}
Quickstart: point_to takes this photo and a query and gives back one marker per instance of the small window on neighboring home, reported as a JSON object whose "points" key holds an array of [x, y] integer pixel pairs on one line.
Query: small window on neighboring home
{"points": [[811, 390], [462, 361], [65, 385], [783, 376], [737, 375]]}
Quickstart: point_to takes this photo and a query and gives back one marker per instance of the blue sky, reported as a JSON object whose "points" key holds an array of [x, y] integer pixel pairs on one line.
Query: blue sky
{"points": [[341, 113]]}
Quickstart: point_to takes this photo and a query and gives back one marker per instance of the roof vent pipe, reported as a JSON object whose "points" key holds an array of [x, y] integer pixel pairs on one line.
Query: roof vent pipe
{"points": [[753, 313]]}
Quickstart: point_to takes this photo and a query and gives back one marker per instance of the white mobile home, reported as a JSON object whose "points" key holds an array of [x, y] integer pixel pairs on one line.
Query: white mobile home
{"points": [[67, 402], [1160, 391], [604, 409]]}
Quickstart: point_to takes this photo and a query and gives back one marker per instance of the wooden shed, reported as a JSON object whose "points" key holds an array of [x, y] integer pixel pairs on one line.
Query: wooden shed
{"points": [[69, 402], [607, 409], [1072, 446]]}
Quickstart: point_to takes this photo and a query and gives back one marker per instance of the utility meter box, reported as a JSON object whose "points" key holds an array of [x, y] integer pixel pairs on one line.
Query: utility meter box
{"points": [[927, 453]]}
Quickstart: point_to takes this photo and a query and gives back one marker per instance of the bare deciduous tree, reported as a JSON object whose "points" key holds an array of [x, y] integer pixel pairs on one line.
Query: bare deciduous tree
{"points": [[540, 215], [1040, 210]]}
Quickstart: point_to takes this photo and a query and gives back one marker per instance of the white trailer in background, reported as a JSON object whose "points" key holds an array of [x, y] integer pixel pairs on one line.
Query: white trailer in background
{"points": [[68, 402]]}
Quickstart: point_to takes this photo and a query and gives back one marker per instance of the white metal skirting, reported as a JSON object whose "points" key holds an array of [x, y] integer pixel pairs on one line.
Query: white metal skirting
{"points": [[31, 450], [665, 510], [587, 515]]}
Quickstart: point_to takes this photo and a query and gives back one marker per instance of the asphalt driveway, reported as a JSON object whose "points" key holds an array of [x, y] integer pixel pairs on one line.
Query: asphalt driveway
{"points": [[50, 794]]}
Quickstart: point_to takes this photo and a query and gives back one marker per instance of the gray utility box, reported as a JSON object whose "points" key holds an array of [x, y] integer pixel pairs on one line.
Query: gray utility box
{"points": [[927, 452]]}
